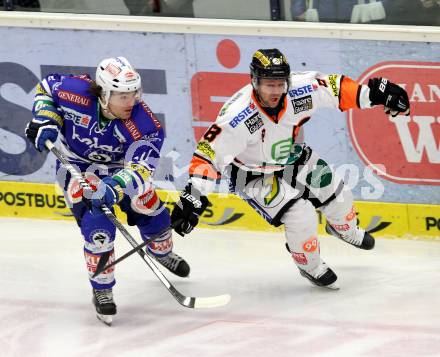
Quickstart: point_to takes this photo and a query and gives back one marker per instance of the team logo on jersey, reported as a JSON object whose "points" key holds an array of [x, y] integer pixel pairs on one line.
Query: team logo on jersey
{"points": [[254, 123], [268, 190], [74, 98], [333, 84], [286, 152], [302, 104], [152, 137], [205, 148], [55, 86], [151, 114], [321, 176], [297, 92], [100, 237], [242, 115], [275, 190], [94, 144], [40, 104], [78, 118], [281, 149], [99, 156], [132, 128]]}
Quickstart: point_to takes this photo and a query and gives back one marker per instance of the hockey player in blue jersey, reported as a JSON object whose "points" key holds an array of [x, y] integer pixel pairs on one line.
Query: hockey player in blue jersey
{"points": [[112, 136]]}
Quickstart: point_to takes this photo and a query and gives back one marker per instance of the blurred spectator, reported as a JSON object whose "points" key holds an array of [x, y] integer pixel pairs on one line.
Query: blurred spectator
{"points": [[142, 7], [333, 10], [21, 5], [172, 8], [328, 10], [107, 7], [397, 12], [414, 12]]}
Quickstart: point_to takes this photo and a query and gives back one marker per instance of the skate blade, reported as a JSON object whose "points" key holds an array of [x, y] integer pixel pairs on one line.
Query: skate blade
{"points": [[333, 286], [106, 319]]}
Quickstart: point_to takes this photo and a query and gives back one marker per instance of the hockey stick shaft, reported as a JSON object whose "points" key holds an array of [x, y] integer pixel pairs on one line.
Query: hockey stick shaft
{"points": [[103, 267], [83, 183], [109, 214], [191, 302]]}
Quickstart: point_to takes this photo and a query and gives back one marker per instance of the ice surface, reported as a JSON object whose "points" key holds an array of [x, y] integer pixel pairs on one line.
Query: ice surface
{"points": [[387, 305]]}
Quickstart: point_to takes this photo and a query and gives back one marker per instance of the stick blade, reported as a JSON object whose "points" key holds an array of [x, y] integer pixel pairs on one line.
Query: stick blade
{"points": [[213, 301]]}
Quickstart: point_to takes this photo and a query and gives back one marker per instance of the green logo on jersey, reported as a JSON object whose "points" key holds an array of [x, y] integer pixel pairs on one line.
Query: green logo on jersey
{"points": [[281, 149], [321, 176], [273, 187], [285, 152]]}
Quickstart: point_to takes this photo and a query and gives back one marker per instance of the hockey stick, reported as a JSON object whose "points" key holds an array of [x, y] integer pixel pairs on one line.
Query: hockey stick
{"points": [[190, 302], [101, 266]]}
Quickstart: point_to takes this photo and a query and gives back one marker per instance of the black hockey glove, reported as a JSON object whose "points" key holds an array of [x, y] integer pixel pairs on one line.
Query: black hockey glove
{"points": [[38, 131], [186, 211], [390, 95]]}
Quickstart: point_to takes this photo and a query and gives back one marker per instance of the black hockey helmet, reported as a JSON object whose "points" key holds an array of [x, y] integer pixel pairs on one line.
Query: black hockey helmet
{"points": [[269, 63]]}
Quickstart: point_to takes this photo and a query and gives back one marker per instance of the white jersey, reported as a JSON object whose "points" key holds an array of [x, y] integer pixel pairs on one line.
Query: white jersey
{"points": [[245, 135]]}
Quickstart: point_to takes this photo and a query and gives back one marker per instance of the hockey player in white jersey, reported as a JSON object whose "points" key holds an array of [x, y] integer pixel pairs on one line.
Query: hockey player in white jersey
{"points": [[255, 144]]}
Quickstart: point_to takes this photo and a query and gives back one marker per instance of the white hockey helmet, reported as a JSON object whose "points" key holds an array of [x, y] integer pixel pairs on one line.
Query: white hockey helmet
{"points": [[117, 75]]}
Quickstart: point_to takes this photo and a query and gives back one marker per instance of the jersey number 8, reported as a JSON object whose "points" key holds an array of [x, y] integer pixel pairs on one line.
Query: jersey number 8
{"points": [[212, 133]]}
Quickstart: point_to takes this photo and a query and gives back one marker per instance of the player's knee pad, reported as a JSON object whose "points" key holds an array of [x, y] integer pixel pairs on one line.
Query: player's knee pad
{"points": [[157, 226], [106, 279], [300, 222], [99, 235], [98, 232], [162, 245], [340, 212]]}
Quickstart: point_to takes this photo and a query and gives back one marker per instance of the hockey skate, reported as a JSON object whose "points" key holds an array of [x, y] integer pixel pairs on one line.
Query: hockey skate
{"points": [[104, 305], [322, 276], [360, 238], [174, 263]]}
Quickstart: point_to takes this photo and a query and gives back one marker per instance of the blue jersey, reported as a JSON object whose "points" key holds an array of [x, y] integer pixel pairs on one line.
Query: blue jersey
{"points": [[130, 148]]}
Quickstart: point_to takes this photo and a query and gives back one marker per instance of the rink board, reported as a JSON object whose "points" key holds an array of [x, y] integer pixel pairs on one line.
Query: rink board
{"points": [[186, 91], [45, 201]]}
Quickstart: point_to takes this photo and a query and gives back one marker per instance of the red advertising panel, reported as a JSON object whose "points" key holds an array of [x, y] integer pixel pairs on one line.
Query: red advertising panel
{"points": [[210, 90], [408, 147]]}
